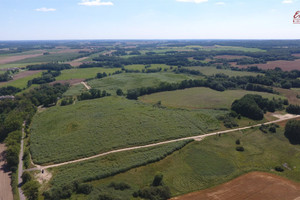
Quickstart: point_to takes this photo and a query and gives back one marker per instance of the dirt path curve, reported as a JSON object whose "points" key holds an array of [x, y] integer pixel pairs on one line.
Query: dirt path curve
{"points": [[5, 187], [86, 85], [20, 168], [197, 138]]}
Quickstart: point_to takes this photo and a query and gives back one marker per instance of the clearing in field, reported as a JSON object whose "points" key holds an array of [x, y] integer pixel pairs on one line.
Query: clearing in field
{"points": [[251, 186], [126, 81], [200, 98], [95, 126]]}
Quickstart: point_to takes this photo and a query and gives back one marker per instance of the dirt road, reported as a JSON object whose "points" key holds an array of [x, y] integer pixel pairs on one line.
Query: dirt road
{"points": [[251, 186], [5, 187], [198, 138], [20, 168], [86, 85]]}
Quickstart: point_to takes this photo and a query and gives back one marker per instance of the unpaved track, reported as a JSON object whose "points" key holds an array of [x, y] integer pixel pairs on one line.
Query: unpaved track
{"points": [[86, 85], [5, 187], [20, 168], [197, 138]]}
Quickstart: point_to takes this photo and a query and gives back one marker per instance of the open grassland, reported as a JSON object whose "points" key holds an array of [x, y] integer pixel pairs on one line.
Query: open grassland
{"points": [[126, 81], [212, 161], [141, 67], [15, 65], [224, 48], [209, 71], [290, 94], [200, 98], [52, 57], [91, 127], [83, 73], [75, 90], [21, 82], [112, 164]]}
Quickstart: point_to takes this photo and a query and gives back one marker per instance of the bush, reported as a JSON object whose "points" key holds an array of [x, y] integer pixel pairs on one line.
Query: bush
{"points": [[84, 188], [241, 149], [157, 181], [293, 109], [119, 186], [154, 193], [279, 169], [238, 142], [292, 131], [31, 190], [26, 176]]}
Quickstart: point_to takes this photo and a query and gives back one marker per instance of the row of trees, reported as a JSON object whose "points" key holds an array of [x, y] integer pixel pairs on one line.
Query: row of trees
{"points": [[92, 94]]}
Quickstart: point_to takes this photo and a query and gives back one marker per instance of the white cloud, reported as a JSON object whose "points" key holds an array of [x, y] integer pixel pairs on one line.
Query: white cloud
{"points": [[193, 1], [45, 9], [220, 3], [288, 1], [95, 3]]}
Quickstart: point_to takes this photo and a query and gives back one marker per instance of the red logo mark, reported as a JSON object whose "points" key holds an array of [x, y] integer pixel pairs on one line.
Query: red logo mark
{"points": [[297, 18]]}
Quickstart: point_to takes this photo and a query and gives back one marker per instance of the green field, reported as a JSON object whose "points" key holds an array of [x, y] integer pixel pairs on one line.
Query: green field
{"points": [[200, 98], [210, 162], [83, 73], [13, 65], [22, 82], [91, 127], [209, 71], [75, 90], [111, 164], [127, 81], [53, 57]]}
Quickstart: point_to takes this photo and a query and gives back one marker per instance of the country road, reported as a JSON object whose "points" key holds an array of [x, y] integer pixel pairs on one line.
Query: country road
{"points": [[86, 85], [20, 168], [199, 137]]}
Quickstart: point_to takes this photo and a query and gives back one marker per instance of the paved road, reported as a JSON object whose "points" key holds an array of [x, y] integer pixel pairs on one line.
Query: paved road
{"points": [[20, 168], [199, 137]]}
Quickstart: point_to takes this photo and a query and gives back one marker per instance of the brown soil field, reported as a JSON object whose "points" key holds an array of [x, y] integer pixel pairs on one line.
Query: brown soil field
{"points": [[77, 62], [10, 59], [283, 64], [71, 81], [22, 75], [5, 187], [297, 54], [230, 57], [291, 95], [251, 186]]}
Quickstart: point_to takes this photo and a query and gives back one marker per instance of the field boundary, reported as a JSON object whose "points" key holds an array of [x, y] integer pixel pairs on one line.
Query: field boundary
{"points": [[197, 138]]}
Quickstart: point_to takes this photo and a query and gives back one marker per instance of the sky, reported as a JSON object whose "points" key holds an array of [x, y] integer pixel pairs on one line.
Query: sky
{"points": [[148, 19]]}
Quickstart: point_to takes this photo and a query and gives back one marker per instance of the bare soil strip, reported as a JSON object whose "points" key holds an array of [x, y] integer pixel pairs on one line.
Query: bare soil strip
{"points": [[86, 85], [10, 59], [198, 138], [283, 64], [251, 186], [5, 187], [77, 62]]}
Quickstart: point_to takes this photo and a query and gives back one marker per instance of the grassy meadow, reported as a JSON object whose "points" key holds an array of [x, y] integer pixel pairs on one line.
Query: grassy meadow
{"points": [[52, 57], [199, 98], [210, 162], [126, 81], [94, 126], [22, 82]]}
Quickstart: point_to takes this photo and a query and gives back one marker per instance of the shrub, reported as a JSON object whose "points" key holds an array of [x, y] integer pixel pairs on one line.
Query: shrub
{"points": [[154, 193], [238, 142], [26, 176], [241, 149], [84, 188], [119, 186], [279, 169], [31, 190], [157, 181], [292, 131]]}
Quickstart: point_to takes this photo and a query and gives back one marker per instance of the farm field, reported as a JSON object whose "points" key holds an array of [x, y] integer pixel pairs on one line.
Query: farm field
{"points": [[75, 90], [253, 186], [209, 71], [210, 162], [200, 98], [20, 80], [126, 81], [91, 127], [283, 64], [83, 73]]}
